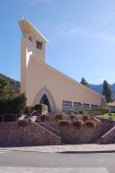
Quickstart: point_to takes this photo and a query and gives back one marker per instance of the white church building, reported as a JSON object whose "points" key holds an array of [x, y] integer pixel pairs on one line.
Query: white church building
{"points": [[43, 84]]}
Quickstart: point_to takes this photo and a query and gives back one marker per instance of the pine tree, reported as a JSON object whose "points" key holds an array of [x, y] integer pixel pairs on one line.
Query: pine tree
{"points": [[84, 82], [107, 92], [3, 87]]}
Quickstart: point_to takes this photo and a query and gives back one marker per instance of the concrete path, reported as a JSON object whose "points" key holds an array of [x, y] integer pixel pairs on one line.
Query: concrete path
{"points": [[65, 148]]}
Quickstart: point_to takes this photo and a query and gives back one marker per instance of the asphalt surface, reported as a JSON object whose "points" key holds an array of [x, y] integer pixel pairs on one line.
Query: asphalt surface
{"points": [[35, 162]]}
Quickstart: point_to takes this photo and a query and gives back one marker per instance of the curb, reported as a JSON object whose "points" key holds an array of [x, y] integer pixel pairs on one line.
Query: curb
{"points": [[86, 152], [67, 152]]}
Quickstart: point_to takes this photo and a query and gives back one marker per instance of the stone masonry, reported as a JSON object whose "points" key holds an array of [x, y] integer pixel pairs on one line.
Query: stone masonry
{"points": [[32, 134]]}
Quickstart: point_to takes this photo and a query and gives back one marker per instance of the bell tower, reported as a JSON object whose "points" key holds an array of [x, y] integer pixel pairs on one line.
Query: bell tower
{"points": [[35, 41], [32, 44]]}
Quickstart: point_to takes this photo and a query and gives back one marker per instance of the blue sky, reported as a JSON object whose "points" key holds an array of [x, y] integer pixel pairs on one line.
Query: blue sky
{"points": [[81, 35]]}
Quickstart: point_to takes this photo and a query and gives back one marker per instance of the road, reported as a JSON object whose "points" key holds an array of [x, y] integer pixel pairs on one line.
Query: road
{"points": [[34, 162]]}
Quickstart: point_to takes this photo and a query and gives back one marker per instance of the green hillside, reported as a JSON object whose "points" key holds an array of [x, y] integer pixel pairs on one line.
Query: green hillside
{"points": [[13, 86]]}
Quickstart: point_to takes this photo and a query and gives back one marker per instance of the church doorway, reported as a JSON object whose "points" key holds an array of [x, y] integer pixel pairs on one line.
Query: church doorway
{"points": [[44, 100]]}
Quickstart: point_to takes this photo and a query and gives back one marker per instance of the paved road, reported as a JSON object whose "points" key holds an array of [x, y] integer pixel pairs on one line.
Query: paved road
{"points": [[34, 162]]}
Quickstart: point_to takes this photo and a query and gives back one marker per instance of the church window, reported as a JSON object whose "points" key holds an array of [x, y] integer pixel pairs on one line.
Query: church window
{"points": [[85, 106], [38, 44], [76, 105], [66, 106], [94, 106]]}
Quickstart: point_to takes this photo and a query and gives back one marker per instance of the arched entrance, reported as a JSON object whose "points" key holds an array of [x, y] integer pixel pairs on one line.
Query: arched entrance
{"points": [[44, 96], [44, 100]]}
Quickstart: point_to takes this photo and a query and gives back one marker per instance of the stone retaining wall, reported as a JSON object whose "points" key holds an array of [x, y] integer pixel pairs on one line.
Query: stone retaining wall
{"points": [[71, 135], [83, 135], [32, 134]]}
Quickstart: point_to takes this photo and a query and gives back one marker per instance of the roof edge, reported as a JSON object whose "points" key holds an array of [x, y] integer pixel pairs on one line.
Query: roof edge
{"points": [[20, 22], [65, 76]]}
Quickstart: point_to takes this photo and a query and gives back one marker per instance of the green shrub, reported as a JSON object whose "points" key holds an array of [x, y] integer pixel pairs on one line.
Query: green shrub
{"points": [[59, 117], [73, 111], [81, 112], [110, 114], [96, 111], [14, 105], [112, 111], [64, 123], [86, 118], [44, 117], [91, 124], [41, 108], [22, 123], [77, 124]]}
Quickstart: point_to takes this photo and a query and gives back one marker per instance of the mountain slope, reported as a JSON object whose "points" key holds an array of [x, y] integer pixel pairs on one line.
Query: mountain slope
{"points": [[98, 88], [13, 86]]}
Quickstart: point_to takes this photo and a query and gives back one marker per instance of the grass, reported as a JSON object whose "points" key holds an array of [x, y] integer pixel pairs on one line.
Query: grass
{"points": [[108, 115]]}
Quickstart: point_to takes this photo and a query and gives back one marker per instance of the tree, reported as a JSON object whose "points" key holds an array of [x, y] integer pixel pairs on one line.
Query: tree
{"points": [[3, 87], [107, 92], [13, 105], [84, 82]]}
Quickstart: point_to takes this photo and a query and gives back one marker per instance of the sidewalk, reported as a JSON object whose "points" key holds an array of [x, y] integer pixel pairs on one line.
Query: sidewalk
{"points": [[82, 148]]}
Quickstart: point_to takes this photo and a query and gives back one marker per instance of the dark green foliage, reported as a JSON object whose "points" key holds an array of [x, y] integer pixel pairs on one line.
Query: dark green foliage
{"points": [[12, 88], [3, 87], [73, 111], [96, 112], [106, 91], [112, 111], [84, 82], [11, 103], [41, 108], [14, 105], [81, 112]]}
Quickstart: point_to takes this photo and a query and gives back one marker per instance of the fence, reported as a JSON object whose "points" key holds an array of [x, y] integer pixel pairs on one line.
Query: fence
{"points": [[8, 117]]}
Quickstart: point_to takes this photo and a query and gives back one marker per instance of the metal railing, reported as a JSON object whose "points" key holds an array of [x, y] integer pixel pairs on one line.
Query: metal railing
{"points": [[8, 117]]}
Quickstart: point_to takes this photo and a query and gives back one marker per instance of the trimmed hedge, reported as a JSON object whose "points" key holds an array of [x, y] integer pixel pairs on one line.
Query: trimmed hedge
{"points": [[96, 111]]}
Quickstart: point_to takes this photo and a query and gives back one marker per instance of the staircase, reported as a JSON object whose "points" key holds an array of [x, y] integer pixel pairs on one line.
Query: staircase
{"points": [[108, 137], [48, 127], [50, 130]]}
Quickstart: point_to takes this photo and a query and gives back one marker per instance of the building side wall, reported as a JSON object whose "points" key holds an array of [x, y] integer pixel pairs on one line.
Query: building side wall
{"points": [[39, 76]]}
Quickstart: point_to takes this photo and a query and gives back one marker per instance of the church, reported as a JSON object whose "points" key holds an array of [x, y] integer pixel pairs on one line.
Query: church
{"points": [[45, 85]]}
